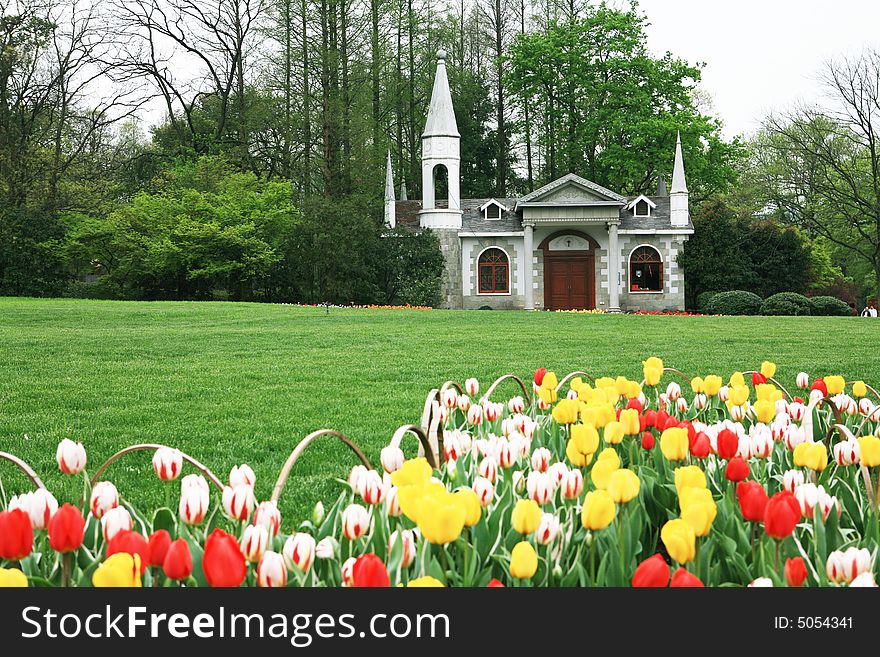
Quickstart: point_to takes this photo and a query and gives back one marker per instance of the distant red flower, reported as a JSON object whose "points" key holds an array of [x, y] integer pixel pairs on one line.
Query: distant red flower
{"points": [[795, 571], [539, 375], [16, 535], [648, 440], [758, 379], [494, 584], [648, 419], [752, 500], [370, 571], [653, 572], [683, 579], [781, 515], [737, 469], [635, 403], [819, 384], [728, 444]]}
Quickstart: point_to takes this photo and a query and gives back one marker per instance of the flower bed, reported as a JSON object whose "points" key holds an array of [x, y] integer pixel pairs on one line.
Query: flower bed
{"points": [[578, 482]]}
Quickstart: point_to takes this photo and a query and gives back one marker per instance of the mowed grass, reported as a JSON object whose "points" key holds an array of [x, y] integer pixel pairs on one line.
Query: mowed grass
{"points": [[232, 383]]}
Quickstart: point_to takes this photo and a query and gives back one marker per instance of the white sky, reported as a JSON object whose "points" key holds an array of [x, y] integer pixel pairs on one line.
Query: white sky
{"points": [[760, 55]]}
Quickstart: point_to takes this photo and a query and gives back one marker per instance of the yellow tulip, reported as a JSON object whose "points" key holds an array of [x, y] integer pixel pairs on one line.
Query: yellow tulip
{"points": [[441, 517], [601, 471], [585, 438], [768, 369], [410, 497], [869, 446], [585, 392], [610, 454], [623, 485], [621, 384], [599, 510], [700, 516], [604, 382], [812, 455], [472, 508], [653, 361], [765, 411], [547, 395], [768, 392], [674, 444], [737, 379], [738, 394], [577, 458], [835, 384], [697, 385], [613, 433], [629, 420], [859, 389], [526, 516], [566, 411], [12, 577], [633, 390], [689, 476], [550, 381], [412, 472], [523, 560], [693, 496], [119, 570], [425, 582], [679, 539], [652, 375], [712, 384]]}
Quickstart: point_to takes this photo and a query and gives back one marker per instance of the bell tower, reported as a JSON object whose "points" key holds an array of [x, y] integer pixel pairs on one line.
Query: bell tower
{"points": [[441, 157]]}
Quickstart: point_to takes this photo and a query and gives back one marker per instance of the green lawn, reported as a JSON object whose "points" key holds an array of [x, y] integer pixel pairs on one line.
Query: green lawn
{"points": [[232, 383]]}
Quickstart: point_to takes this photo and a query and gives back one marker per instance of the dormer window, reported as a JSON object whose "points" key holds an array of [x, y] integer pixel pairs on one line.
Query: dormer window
{"points": [[641, 206], [492, 210]]}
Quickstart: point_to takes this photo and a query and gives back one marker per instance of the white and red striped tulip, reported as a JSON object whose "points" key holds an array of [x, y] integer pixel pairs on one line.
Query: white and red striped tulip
{"points": [[794, 436], [299, 551], [475, 415], [681, 405], [472, 387], [271, 572], [356, 479], [71, 456], [516, 405], [326, 548], [846, 566], [392, 504], [540, 487], [700, 401], [355, 521], [194, 499], [463, 402], [115, 520], [761, 582], [673, 391], [548, 529], [242, 475], [866, 406], [847, 452], [792, 479], [40, 505], [485, 491], [450, 398], [493, 411], [392, 458], [104, 497], [865, 580], [268, 515], [374, 488], [238, 502], [254, 542], [347, 572], [558, 472], [408, 546], [723, 393], [541, 459], [803, 380], [167, 463], [572, 485], [796, 411]]}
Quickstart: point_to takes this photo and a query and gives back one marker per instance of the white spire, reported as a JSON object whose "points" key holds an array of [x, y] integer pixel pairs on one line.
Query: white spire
{"points": [[678, 182], [441, 117], [389, 179]]}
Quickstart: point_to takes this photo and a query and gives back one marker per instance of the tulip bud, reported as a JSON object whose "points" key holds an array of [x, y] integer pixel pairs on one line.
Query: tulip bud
{"points": [[167, 463], [271, 571], [548, 529], [539, 487], [408, 546], [516, 405], [193, 500], [472, 386], [238, 502], [268, 515], [347, 574], [681, 405], [242, 475], [673, 391], [318, 513], [114, 521], [541, 459], [519, 481], [373, 488], [326, 548], [104, 497], [492, 411], [451, 468], [356, 479], [299, 551], [866, 406], [392, 504], [572, 484], [803, 380], [847, 452], [71, 456], [475, 415], [488, 469], [463, 402], [485, 491], [355, 522], [254, 542], [392, 458]]}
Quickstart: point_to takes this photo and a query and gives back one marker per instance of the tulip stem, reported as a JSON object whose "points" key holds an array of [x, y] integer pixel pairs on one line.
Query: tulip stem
{"points": [[66, 567], [778, 543]]}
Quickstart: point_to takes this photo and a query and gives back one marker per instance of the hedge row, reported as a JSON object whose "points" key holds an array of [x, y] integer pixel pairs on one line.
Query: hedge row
{"points": [[742, 302]]}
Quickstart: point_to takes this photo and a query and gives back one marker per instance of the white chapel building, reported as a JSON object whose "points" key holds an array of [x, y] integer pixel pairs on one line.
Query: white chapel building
{"points": [[572, 244]]}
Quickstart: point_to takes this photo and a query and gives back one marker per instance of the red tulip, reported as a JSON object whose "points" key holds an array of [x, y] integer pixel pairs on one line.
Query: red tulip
{"points": [[692, 433], [653, 572], [494, 584], [635, 403], [795, 571], [67, 529], [369, 571], [781, 515], [752, 500], [701, 446], [539, 375], [737, 469], [648, 440], [819, 384], [178, 563], [16, 535], [649, 419], [728, 444], [683, 579], [758, 379], [129, 542], [661, 418], [223, 562], [157, 547]]}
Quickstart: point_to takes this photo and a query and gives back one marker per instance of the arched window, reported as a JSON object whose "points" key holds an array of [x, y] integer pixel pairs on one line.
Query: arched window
{"points": [[494, 272], [441, 182], [645, 270]]}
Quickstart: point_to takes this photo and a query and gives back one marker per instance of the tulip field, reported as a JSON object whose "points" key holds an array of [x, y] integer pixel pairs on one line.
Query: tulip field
{"points": [[623, 451]]}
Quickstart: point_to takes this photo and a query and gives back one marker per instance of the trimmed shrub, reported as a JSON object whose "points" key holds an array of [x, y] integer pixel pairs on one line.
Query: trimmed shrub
{"points": [[830, 306], [786, 303], [735, 302], [703, 299]]}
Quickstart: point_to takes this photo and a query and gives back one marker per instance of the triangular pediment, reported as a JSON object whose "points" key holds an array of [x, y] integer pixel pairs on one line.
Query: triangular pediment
{"points": [[571, 189]]}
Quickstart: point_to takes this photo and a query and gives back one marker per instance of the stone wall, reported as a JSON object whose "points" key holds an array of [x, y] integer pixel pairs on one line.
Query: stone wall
{"points": [[472, 247], [450, 246], [672, 296]]}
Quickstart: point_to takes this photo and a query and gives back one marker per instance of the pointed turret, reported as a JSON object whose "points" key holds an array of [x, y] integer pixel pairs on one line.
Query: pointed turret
{"points": [[390, 219], [679, 214], [441, 116]]}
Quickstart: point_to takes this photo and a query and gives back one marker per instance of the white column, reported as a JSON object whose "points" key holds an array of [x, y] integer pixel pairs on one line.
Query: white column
{"points": [[613, 269], [529, 249]]}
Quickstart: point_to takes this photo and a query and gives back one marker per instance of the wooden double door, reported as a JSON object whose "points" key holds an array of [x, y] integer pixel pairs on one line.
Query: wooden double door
{"points": [[569, 282]]}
